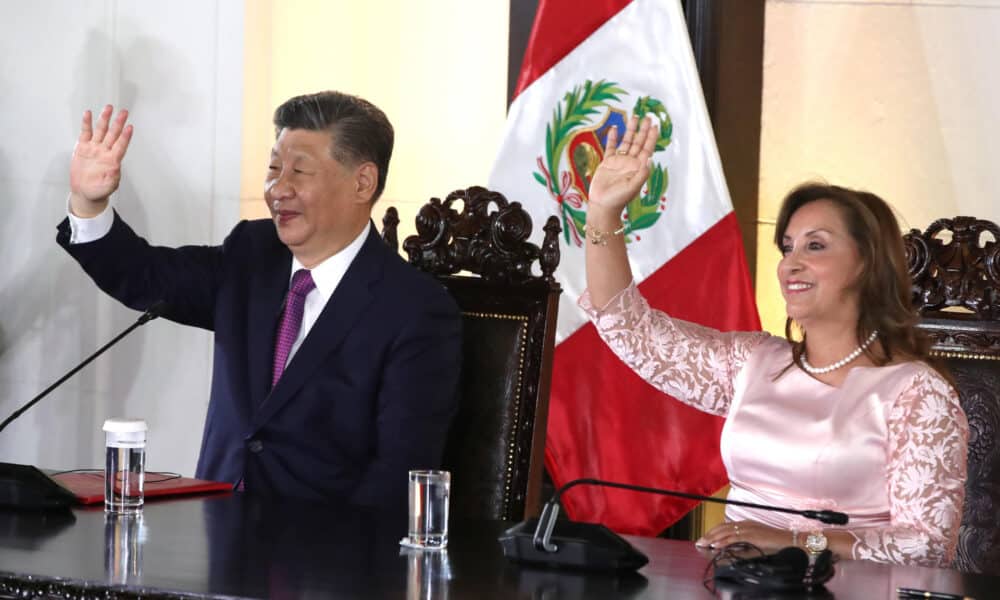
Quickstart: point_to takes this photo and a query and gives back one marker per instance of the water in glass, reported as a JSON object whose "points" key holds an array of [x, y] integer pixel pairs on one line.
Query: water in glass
{"points": [[429, 491]]}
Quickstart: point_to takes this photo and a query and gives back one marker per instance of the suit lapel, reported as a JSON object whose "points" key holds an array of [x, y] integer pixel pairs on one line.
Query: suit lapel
{"points": [[269, 283], [342, 312]]}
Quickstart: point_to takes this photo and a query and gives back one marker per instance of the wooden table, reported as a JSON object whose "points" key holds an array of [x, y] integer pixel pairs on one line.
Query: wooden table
{"points": [[233, 546]]}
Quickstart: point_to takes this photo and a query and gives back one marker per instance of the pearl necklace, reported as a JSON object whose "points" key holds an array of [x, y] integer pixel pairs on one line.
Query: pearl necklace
{"points": [[840, 363]]}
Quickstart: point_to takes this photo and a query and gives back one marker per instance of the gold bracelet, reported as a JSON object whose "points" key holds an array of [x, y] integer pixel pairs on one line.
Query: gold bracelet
{"points": [[598, 237]]}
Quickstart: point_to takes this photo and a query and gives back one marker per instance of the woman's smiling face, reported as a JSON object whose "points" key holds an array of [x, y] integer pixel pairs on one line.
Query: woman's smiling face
{"points": [[820, 266]]}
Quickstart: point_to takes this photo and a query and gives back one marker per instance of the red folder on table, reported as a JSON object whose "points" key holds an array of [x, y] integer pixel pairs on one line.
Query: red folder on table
{"points": [[88, 487]]}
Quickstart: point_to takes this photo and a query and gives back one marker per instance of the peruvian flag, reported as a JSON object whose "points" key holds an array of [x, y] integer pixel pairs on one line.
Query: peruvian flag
{"points": [[588, 66]]}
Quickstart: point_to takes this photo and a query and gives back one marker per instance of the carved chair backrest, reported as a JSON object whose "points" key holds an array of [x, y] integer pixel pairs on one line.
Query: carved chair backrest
{"points": [[955, 266], [495, 449]]}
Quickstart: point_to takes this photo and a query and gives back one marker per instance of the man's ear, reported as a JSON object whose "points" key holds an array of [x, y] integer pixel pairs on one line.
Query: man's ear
{"points": [[366, 179]]}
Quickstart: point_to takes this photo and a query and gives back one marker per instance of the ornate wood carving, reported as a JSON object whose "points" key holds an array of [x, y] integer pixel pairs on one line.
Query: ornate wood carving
{"points": [[479, 232], [389, 224], [960, 336], [488, 237], [963, 272], [978, 382]]}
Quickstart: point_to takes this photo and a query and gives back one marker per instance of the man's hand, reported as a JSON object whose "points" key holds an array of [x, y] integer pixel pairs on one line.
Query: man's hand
{"points": [[96, 167]]}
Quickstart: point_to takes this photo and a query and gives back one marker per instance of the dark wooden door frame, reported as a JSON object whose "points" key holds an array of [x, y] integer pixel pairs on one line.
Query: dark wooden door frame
{"points": [[727, 37]]}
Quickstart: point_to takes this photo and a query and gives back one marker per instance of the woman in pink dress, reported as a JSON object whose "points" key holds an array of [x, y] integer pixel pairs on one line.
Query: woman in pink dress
{"points": [[845, 414]]}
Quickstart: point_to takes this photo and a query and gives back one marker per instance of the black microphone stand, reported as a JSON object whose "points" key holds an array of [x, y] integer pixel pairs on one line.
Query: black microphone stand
{"points": [[151, 313], [591, 546], [543, 533], [26, 487]]}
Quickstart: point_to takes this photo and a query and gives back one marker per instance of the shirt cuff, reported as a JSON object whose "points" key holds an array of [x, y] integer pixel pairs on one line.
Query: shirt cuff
{"points": [[84, 230]]}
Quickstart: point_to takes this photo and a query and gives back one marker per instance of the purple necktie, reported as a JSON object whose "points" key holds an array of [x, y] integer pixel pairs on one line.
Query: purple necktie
{"points": [[291, 321]]}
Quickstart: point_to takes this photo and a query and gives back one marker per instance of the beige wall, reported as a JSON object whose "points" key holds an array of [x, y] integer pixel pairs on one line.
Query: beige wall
{"points": [[433, 67], [897, 97]]}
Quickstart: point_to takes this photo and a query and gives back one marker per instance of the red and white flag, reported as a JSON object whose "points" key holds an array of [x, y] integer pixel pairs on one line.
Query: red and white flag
{"points": [[588, 66]]}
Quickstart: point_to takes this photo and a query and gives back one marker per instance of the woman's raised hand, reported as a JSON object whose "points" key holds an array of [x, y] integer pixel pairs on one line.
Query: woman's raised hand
{"points": [[95, 169], [625, 167], [616, 181]]}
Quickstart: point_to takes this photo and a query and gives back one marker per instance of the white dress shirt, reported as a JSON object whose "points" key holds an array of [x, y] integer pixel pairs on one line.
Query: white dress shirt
{"points": [[326, 275]]}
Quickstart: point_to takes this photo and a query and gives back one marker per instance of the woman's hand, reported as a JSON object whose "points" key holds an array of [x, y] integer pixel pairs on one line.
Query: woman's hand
{"points": [[625, 167], [615, 183], [95, 169], [768, 539]]}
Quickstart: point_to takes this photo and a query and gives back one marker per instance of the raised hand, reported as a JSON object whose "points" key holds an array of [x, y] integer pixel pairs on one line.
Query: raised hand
{"points": [[616, 181], [625, 167], [96, 167]]}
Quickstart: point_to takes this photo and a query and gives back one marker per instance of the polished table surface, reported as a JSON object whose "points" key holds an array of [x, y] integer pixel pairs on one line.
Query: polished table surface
{"points": [[234, 546]]}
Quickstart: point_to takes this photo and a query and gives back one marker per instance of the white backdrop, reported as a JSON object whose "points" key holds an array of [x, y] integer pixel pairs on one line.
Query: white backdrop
{"points": [[178, 67]]}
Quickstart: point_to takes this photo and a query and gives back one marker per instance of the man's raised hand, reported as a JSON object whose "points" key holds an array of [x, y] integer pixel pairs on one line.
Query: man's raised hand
{"points": [[96, 167]]}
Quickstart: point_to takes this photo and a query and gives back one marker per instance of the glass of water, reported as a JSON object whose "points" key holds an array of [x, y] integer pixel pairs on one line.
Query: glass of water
{"points": [[125, 465], [429, 491]]}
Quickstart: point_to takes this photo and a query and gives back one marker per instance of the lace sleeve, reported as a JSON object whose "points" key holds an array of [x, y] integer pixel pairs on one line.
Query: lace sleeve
{"points": [[928, 439], [695, 364]]}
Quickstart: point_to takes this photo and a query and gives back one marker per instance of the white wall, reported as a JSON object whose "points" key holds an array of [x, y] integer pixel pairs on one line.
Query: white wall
{"points": [[898, 97], [178, 67]]}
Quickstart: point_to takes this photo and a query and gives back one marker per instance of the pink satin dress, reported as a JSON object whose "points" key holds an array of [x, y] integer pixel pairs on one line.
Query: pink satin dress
{"points": [[887, 447]]}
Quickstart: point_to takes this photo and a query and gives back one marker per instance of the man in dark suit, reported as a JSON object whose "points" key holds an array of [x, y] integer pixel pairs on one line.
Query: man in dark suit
{"points": [[336, 364]]}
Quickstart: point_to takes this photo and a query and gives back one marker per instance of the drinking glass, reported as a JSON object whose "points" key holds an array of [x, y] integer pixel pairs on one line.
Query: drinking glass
{"points": [[428, 523], [125, 465]]}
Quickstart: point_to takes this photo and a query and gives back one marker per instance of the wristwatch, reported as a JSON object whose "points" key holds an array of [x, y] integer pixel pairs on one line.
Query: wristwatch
{"points": [[816, 542]]}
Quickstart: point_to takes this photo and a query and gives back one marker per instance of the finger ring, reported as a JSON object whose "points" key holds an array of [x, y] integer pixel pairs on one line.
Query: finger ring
{"points": [[620, 151]]}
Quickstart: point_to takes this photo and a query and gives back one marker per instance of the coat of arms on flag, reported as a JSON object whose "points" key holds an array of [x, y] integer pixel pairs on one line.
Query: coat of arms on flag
{"points": [[574, 146]]}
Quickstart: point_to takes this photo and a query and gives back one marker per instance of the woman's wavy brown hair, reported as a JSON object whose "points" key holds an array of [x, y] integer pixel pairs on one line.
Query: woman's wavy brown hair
{"points": [[884, 285]]}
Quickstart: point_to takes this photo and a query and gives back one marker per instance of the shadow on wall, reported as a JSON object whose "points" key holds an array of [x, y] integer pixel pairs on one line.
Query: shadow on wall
{"points": [[166, 190], [48, 322], [45, 301]]}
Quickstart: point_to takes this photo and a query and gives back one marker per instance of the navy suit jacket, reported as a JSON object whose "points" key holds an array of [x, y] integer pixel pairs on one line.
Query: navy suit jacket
{"points": [[369, 394]]}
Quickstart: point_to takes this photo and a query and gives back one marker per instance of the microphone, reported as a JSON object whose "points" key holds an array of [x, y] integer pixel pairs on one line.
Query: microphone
{"points": [[591, 546], [23, 486], [157, 309]]}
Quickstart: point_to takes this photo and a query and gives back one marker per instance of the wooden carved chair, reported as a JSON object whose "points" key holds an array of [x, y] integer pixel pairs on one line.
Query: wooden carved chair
{"points": [[955, 266], [496, 446]]}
